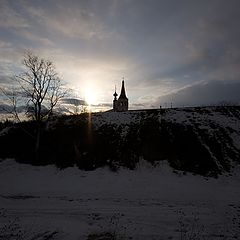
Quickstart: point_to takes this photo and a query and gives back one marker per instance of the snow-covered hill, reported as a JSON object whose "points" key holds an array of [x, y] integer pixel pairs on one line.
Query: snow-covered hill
{"points": [[205, 118], [203, 140], [201, 135]]}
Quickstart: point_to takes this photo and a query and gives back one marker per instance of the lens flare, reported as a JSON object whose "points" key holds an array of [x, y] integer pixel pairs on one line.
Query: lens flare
{"points": [[90, 96]]}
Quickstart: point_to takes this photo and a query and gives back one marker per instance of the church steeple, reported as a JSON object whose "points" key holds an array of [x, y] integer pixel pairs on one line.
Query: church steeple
{"points": [[123, 93], [120, 104]]}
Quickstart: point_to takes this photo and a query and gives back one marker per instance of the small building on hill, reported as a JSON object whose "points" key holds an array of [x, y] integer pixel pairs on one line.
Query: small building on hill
{"points": [[120, 104]]}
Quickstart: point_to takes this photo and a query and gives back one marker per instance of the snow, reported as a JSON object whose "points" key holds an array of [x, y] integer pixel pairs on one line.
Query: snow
{"points": [[186, 116], [147, 203], [117, 118], [204, 118]]}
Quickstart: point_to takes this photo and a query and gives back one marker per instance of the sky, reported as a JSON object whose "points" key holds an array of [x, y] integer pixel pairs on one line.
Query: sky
{"points": [[184, 52]]}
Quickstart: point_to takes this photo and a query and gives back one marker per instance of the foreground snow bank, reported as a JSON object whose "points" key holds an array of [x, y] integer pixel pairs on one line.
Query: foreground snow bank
{"points": [[159, 181], [147, 203]]}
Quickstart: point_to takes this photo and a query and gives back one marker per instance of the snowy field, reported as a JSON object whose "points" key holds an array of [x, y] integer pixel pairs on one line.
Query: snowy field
{"points": [[147, 203]]}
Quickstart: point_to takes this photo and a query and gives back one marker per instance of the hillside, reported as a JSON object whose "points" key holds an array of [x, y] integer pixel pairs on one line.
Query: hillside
{"points": [[203, 140]]}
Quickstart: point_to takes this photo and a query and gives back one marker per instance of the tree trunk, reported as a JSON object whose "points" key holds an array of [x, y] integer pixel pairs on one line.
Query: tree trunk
{"points": [[37, 145]]}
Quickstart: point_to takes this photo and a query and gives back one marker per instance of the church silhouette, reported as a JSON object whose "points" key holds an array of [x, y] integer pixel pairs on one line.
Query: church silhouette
{"points": [[120, 104]]}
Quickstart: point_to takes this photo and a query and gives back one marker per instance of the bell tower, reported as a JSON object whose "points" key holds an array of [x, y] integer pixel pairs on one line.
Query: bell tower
{"points": [[115, 101]]}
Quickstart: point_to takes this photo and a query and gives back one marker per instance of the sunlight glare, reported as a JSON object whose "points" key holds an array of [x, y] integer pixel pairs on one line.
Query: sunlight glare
{"points": [[90, 96]]}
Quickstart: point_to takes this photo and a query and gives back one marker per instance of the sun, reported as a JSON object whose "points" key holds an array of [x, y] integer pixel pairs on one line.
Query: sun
{"points": [[90, 96]]}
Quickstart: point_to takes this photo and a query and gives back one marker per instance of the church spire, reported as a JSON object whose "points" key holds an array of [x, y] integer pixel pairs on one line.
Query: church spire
{"points": [[123, 93]]}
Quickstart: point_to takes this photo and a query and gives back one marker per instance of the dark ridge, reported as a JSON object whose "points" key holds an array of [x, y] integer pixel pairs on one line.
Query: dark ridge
{"points": [[196, 144]]}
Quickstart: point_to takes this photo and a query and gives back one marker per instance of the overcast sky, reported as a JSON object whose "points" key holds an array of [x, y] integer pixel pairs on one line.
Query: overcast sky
{"points": [[160, 47]]}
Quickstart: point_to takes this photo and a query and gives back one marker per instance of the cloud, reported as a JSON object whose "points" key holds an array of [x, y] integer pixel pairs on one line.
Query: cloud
{"points": [[69, 21], [5, 80], [10, 18], [204, 93], [35, 37], [73, 101], [158, 46]]}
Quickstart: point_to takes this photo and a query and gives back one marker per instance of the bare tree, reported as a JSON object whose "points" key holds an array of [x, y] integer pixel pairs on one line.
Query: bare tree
{"points": [[39, 90], [41, 86]]}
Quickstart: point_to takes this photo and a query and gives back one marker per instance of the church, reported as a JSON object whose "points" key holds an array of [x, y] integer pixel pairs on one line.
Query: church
{"points": [[120, 104]]}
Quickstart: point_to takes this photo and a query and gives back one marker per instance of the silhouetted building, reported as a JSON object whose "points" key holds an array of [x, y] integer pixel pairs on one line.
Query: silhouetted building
{"points": [[120, 104]]}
